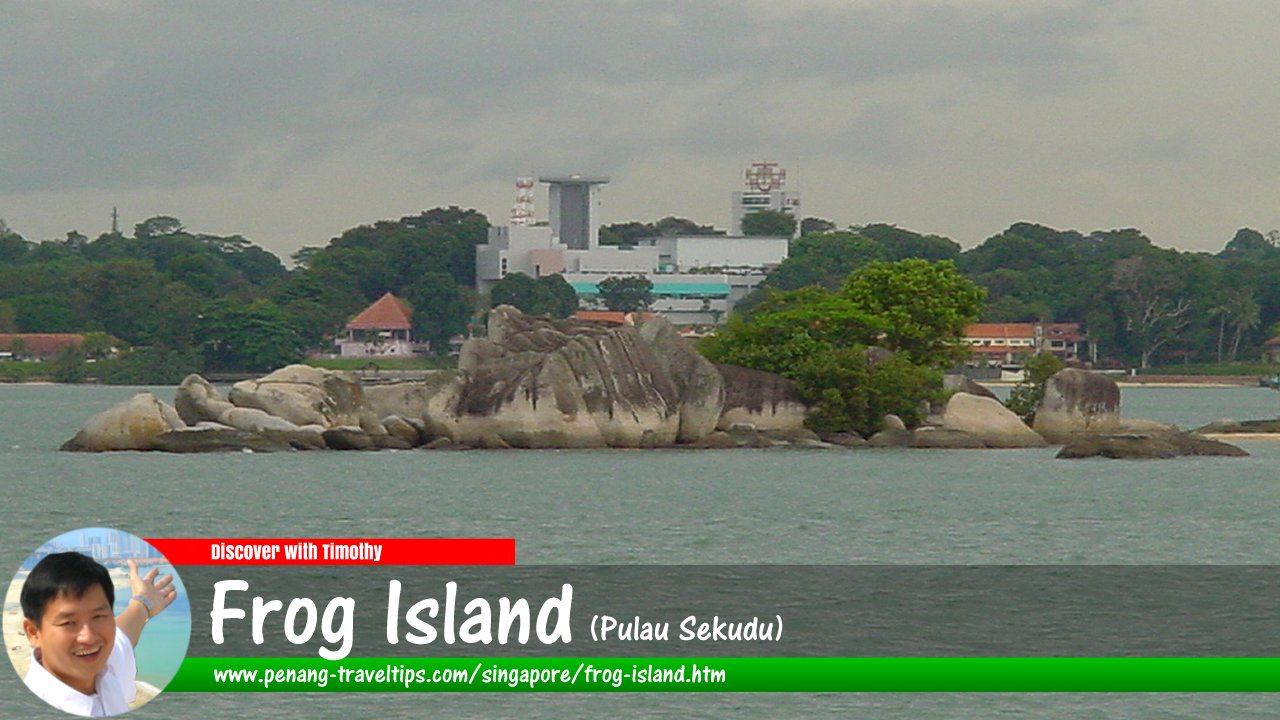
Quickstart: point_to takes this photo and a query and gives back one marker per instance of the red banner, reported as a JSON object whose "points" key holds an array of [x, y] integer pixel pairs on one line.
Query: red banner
{"points": [[337, 551]]}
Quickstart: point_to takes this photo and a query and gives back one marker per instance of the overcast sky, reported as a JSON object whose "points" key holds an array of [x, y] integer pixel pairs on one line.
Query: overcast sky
{"points": [[289, 122]]}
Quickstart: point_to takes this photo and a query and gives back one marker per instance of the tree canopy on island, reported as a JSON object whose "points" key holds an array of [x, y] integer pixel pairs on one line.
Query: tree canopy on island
{"points": [[823, 341]]}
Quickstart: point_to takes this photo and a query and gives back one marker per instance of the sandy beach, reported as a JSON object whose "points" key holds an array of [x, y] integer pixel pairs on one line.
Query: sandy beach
{"points": [[15, 642]]}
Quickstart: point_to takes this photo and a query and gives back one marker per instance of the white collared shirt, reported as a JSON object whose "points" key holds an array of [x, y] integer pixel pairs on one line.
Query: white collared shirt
{"points": [[116, 685]]}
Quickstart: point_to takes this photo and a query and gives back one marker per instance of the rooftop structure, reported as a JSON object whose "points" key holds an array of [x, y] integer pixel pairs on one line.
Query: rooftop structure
{"points": [[573, 200], [384, 329], [765, 181]]}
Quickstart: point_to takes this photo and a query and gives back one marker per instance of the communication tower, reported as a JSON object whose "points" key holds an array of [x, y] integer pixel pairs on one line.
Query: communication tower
{"points": [[522, 210]]}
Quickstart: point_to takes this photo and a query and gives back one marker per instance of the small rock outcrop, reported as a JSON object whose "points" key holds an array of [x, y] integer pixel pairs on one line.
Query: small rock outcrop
{"points": [[130, 425], [1078, 404], [989, 421], [894, 434], [1153, 446], [1235, 427]]}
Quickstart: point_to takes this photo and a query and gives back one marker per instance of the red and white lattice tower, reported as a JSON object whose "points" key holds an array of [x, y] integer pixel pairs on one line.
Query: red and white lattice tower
{"points": [[522, 210], [765, 177]]}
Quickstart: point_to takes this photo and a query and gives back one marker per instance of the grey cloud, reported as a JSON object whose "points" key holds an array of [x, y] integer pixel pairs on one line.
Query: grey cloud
{"points": [[173, 93]]}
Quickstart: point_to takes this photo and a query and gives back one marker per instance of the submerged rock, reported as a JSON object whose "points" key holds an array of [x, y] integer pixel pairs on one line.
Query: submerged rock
{"points": [[1154, 446]]}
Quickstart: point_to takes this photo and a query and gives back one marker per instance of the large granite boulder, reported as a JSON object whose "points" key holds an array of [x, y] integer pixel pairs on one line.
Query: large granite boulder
{"points": [[426, 401], [1078, 404], [762, 399], [699, 386], [131, 425], [1150, 446], [197, 401], [206, 437], [536, 382], [305, 395], [989, 421], [943, 438]]}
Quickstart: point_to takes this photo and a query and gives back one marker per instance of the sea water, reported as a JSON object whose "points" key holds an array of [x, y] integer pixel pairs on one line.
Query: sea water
{"points": [[670, 507]]}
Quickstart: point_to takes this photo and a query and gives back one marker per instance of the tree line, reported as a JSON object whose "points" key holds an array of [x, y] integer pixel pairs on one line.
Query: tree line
{"points": [[187, 301]]}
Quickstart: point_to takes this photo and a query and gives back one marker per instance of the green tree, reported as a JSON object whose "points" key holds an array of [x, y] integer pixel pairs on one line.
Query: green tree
{"points": [[515, 289], [1027, 394], [157, 226], [247, 337], [924, 306], [769, 223], [554, 296], [69, 365], [816, 225], [824, 259], [854, 393], [821, 340], [441, 309], [626, 293]]}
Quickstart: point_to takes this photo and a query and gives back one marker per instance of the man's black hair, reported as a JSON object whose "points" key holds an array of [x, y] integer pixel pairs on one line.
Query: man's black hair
{"points": [[66, 573]]}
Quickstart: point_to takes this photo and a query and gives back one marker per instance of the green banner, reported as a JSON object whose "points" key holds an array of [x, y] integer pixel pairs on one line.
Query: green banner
{"points": [[728, 675]]}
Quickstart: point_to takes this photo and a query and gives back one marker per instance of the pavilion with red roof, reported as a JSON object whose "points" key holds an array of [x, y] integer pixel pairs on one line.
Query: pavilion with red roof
{"points": [[384, 329]]}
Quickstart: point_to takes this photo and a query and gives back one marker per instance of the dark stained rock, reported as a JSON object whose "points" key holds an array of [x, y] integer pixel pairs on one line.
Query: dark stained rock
{"points": [[960, 383], [765, 400], [348, 437], [1148, 447], [699, 387], [843, 439], [212, 437], [1078, 403], [716, 440], [1226, 427], [941, 438]]}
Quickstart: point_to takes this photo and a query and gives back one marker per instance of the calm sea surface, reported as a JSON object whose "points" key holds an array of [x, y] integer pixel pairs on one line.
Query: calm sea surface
{"points": [[670, 507]]}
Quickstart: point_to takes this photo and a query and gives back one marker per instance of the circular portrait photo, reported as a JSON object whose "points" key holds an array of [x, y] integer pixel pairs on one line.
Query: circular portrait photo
{"points": [[96, 622]]}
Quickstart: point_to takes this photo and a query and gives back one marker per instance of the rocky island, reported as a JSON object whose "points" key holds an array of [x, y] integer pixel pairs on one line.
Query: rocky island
{"points": [[540, 383]]}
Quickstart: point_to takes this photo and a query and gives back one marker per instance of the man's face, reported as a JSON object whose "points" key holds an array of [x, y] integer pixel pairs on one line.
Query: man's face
{"points": [[75, 637]]}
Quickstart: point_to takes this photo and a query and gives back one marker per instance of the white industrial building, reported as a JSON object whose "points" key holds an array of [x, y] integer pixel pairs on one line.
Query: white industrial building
{"points": [[696, 279]]}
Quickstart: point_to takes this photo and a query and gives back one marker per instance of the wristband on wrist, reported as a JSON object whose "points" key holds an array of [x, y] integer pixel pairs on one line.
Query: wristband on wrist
{"points": [[142, 599]]}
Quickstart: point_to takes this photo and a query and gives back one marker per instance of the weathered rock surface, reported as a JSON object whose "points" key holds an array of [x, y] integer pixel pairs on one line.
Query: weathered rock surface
{"points": [[198, 401], [562, 383], [699, 386], [989, 421], [894, 433], [130, 425], [1154, 446], [843, 439], [942, 438], [961, 383], [347, 437], [214, 437], [305, 395], [1230, 427], [1078, 404], [767, 401]]}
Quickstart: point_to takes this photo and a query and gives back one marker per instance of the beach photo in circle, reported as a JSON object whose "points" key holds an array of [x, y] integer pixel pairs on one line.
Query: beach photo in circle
{"points": [[96, 622]]}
